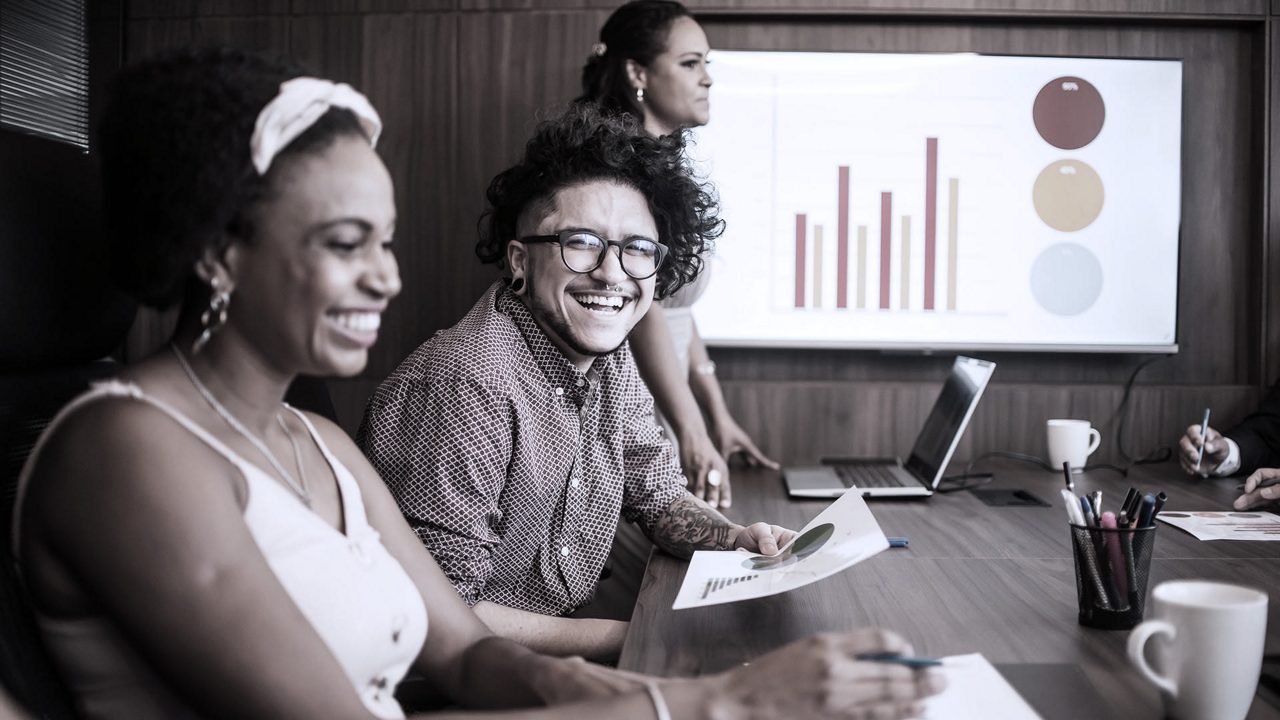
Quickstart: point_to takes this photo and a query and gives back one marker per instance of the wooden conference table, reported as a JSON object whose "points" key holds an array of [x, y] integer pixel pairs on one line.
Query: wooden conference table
{"points": [[975, 578]]}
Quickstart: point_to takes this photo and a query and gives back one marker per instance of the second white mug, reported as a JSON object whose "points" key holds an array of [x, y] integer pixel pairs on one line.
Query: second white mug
{"points": [[1207, 640], [1071, 441]]}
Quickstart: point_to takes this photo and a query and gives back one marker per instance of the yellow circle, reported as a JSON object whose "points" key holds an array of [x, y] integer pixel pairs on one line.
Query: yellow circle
{"points": [[1068, 195]]}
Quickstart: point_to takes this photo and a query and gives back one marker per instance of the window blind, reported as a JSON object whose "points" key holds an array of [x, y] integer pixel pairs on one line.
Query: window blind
{"points": [[44, 69]]}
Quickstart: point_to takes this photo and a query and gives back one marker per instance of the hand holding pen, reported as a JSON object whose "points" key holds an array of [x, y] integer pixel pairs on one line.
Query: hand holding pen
{"points": [[1201, 449], [1262, 487]]}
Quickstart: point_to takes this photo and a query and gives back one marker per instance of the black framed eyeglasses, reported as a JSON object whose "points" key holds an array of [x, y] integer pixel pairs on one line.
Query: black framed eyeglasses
{"points": [[583, 251]]}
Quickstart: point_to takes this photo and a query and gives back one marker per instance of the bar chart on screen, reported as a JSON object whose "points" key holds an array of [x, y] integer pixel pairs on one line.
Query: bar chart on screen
{"points": [[878, 200]]}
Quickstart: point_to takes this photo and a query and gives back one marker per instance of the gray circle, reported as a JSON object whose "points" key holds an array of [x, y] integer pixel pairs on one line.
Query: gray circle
{"points": [[1066, 279]]}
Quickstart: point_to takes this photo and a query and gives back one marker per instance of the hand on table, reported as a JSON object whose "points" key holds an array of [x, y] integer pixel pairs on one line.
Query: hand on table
{"points": [[819, 677], [1262, 488], [732, 440], [1215, 450], [706, 472], [762, 538]]}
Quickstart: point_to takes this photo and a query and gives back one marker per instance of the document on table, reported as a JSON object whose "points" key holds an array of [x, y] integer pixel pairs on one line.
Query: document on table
{"points": [[1224, 524], [976, 690], [843, 534]]}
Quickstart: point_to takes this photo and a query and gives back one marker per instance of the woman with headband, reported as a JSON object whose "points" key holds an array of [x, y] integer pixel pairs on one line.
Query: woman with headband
{"points": [[651, 63], [193, 546]]}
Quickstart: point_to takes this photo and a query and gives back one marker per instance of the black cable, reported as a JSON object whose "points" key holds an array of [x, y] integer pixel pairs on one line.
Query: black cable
{"points": [[1161, 453], [978, 480], [1038, 462]]}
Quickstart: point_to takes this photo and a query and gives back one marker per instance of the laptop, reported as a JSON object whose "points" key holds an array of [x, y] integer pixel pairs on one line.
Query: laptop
{"points": [[920, 474]]}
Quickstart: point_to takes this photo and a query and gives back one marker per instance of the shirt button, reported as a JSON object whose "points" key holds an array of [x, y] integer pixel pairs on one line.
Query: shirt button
{"points": [[579, 382], [564, 551], [574, 483], [559, 391]]}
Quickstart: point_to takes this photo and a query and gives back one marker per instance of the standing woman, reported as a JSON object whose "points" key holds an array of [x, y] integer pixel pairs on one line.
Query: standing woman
{"points": [[192, 546], [651, 62]]}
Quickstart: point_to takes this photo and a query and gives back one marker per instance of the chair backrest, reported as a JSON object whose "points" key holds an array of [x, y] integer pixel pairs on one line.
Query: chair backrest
{"points": [[59, 318], [27, 403]]}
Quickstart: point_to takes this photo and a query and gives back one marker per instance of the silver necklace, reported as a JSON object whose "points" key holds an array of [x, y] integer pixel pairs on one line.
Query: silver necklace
{"points": [[299, 488]]}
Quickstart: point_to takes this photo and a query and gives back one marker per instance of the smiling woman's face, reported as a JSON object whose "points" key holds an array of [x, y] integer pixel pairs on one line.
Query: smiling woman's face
{"points": [[676, 84], [311, 285], [585, 314]]}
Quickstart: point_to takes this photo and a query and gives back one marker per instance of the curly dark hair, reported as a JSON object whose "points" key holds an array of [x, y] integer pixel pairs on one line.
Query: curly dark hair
{"points": [[586, 144], [176, 167], [636, 31]]}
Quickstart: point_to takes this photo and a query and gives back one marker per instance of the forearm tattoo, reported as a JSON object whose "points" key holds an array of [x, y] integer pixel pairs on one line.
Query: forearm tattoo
{"points": [[690, 524]]}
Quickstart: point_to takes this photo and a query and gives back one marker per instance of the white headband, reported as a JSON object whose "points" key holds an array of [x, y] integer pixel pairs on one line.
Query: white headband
{"points": [[299, 105]]}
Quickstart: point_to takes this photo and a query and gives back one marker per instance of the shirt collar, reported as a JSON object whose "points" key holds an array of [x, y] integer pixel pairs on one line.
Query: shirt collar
{"points": [[559, 372]]}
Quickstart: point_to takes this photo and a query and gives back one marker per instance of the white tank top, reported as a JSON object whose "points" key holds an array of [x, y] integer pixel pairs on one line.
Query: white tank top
{"points": [[356, 596]]}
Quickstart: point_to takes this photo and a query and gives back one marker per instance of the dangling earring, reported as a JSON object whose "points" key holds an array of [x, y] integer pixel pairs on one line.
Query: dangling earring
{"points": [[640, 95], [517, 285], [215, 316]]}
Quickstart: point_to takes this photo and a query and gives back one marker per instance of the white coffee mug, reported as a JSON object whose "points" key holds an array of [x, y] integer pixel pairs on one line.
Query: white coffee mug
{"points": [[1071, 441], [1207, 648]]}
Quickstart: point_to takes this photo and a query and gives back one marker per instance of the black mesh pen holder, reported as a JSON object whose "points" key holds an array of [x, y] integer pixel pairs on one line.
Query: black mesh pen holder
{"points": [[1112, 569]]}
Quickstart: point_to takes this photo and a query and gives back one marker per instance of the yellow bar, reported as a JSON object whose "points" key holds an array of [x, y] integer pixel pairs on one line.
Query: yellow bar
{"points": [[817, 266], [862, 267], [953, 217], [905, 302]]}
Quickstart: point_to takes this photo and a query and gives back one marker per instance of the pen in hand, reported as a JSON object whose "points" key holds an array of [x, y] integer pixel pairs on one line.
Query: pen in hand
{"points": [[888, 657], [1204, 434]]}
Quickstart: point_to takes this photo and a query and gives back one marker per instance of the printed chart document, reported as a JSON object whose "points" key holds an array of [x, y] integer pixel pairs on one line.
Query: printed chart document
{"points": [[976, 690], [1225, 524], [843, 534]]}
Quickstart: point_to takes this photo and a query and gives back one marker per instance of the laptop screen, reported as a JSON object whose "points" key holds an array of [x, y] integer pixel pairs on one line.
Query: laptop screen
{"points": [[946, 422]]}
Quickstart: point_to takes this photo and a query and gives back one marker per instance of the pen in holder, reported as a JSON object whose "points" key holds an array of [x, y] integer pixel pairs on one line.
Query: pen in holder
{"points": [[1112, 568]]}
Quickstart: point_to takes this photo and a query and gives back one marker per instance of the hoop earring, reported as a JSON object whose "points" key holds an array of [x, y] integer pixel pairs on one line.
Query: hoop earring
{"points": [[517, 285], [640, 95], [214, 317]]}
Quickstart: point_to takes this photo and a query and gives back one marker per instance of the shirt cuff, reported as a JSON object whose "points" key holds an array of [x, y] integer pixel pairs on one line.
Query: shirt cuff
{"points": [[1232, 463]]}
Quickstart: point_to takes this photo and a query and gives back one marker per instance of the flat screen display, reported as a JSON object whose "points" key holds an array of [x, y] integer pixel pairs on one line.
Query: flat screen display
{"points": [[943, 201]]}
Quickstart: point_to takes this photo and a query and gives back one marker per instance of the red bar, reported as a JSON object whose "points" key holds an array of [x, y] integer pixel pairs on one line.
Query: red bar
{"points": [[801, 222], [842, 242], [930, 217], [886, 211]]}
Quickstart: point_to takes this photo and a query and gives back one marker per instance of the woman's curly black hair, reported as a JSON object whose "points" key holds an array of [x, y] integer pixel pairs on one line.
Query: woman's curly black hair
{"points": [[636, 31], [585, 144], [176, 167]]}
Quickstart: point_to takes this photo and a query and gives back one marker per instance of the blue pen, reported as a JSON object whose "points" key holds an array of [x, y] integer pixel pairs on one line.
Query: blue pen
{"points": [[888, 657], [897, 542], [1086, 508], [1146, 510], [1204, 430]]}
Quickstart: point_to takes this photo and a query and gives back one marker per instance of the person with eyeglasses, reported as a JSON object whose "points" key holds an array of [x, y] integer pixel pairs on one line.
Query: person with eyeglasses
{"points": [[515, 439]]}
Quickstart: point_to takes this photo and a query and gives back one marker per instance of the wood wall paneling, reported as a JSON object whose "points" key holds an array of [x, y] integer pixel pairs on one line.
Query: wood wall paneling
{"points": [[462, 82], [1271, 211], [800, 422], [1158, 9]]}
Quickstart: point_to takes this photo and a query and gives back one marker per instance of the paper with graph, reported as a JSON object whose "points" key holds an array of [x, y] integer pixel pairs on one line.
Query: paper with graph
{"points": [[843, 534]]}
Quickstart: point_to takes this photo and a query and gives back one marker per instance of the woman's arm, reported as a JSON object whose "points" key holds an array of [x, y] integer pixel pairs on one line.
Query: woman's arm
{"points": [[656, 358], [132, 516], [728, 436]]}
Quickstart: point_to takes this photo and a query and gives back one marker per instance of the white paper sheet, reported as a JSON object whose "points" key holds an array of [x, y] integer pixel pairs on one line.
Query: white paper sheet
{"points": [[1224, 524], [976, 690], [843, 534]]}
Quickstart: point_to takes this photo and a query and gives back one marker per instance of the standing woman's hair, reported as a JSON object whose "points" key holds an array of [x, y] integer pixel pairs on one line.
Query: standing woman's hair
{"points": [[177, 166], [636, 31]]}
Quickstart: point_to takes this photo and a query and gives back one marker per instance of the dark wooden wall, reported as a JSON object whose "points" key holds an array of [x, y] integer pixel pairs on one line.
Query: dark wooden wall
{"points": [[460, 84]]}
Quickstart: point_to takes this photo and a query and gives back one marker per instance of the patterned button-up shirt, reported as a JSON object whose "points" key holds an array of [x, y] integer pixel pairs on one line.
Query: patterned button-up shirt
{"points": [[510, 464]]}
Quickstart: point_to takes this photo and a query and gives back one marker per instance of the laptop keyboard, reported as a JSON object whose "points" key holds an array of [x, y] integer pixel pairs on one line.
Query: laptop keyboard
{"points": [[868, 476]]}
